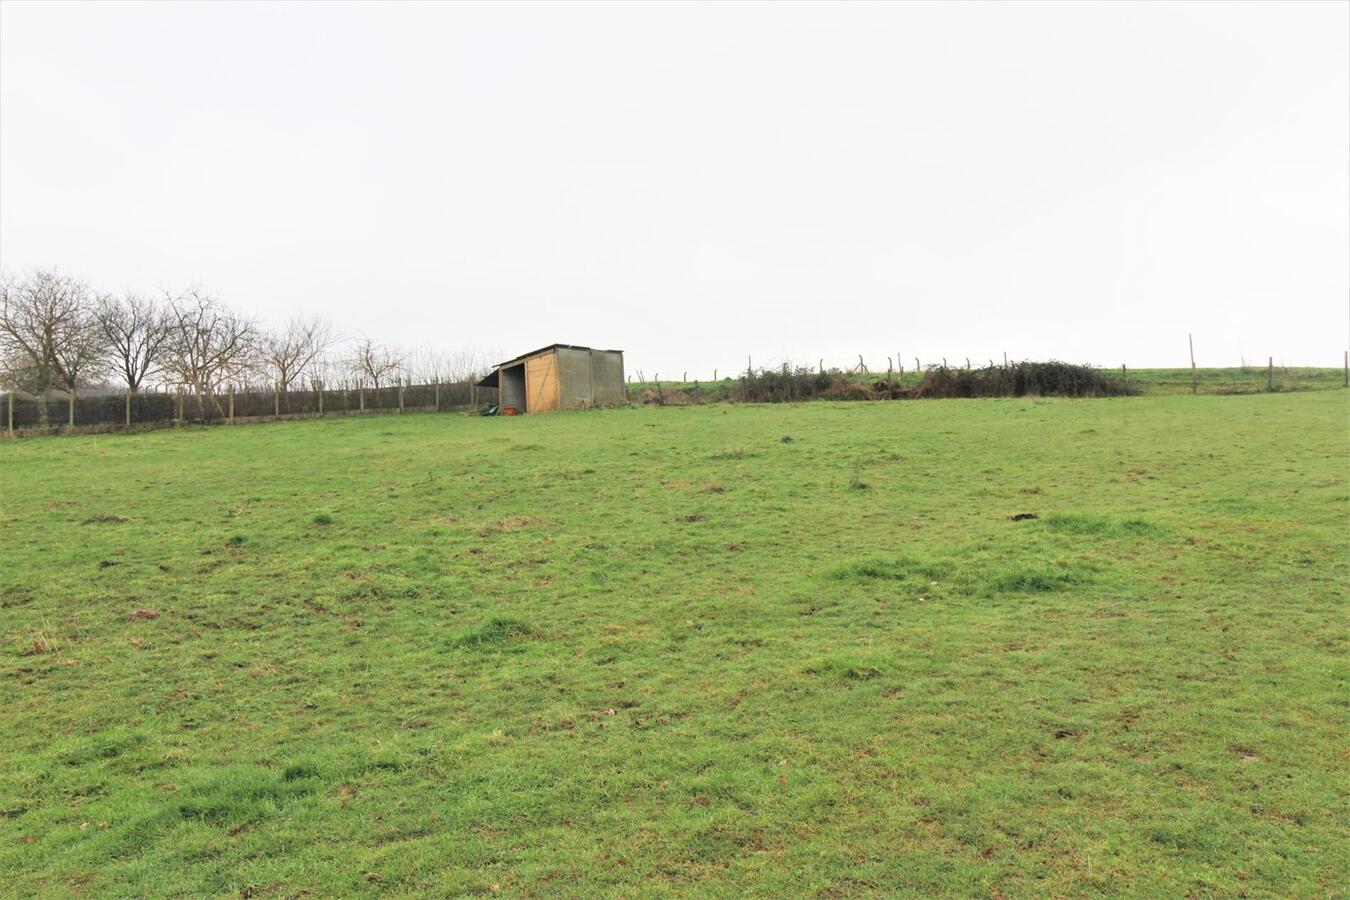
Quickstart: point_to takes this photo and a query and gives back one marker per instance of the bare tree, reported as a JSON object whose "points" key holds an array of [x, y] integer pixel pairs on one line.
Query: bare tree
{"points": [[429, 364], [293, 353], [373, 364], [48, 331], [209, 344], [136, 331], [49, 334]]}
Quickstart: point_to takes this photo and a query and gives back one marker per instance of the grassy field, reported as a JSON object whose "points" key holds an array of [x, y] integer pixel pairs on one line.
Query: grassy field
{"points": [[1149, 382], [709, 650]]}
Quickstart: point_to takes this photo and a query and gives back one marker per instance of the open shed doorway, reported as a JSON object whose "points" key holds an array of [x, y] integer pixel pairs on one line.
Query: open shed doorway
{"points": [[512, 387]]}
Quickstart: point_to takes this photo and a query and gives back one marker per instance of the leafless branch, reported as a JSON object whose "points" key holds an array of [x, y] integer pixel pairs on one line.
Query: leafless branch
{"points": [[136, 331], [292, 354], [49, 334], [209, 345]]}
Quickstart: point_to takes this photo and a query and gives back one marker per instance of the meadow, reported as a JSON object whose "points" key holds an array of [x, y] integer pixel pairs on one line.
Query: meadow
{"points": [[993, 648]]}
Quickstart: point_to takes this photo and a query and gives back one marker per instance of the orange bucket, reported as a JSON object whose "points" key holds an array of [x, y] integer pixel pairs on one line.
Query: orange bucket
{"points": [[510, 411]]}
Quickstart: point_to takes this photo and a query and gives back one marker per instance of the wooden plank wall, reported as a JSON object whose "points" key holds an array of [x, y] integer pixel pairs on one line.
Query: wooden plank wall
{"points": [[541, 382]]}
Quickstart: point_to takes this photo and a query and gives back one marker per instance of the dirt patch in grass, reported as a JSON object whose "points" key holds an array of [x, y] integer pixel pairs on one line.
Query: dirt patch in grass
{"points": [[508, 523], [105, 519]]}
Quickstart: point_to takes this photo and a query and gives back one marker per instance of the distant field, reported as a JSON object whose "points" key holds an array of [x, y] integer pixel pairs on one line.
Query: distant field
{"points": [[776, 650], [1149, 382]]}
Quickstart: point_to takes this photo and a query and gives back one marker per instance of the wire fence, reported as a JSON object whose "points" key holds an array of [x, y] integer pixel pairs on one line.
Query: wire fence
{"points": [[28, 415]]}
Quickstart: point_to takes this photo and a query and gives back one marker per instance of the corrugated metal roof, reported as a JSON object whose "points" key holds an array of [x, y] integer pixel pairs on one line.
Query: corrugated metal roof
{"points": [[517, 359], [491, 379]]}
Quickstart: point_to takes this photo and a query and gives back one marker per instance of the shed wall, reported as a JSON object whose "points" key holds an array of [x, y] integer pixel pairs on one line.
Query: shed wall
{"points": [[607, 384], [541, 382], [574, 367]]}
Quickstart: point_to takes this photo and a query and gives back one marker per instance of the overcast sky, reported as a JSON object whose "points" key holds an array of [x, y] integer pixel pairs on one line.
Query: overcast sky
{"points": [[699, 183]]}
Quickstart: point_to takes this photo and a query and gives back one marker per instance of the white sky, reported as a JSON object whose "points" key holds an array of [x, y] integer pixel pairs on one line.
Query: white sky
{"points": [[695, 184]]}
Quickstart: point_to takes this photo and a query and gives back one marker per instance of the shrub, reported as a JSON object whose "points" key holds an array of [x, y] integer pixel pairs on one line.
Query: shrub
{"points": [[1042, 379]]}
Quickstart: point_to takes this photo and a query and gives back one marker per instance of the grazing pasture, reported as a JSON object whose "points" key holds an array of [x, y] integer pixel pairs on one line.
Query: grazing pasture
{"points": [[775, 649]]}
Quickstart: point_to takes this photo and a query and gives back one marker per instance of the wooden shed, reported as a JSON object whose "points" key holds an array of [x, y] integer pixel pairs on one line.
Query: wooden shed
{"points": [[559, 376]]}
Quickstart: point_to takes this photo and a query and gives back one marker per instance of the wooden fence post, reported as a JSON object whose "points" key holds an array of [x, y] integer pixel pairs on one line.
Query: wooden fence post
{"points": [[1190, 339], [438, 395], [72, 407], [231, 404], [1270, 373], [400, 398], [128, 407], [320, 386], [361, 399]]}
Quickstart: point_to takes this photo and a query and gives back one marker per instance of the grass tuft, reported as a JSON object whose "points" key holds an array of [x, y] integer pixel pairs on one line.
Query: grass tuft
{"points": [[495, 632]]}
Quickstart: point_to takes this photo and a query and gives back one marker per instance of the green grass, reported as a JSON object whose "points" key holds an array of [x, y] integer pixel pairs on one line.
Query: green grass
{"points": [[666, 651]]}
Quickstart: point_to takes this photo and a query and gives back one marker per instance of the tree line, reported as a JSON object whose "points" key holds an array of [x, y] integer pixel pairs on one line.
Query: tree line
{"points": [[57, 333]]}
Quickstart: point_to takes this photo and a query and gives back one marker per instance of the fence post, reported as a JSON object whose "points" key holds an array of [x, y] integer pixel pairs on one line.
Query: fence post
{"points": [[1190, 339], [128, 407], [400, 398], [473, 393], [276, 401], [320, 386], [72, 407], [231, 404], [437, 395], [361, 399], [1270, 373], [180, 405]]}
